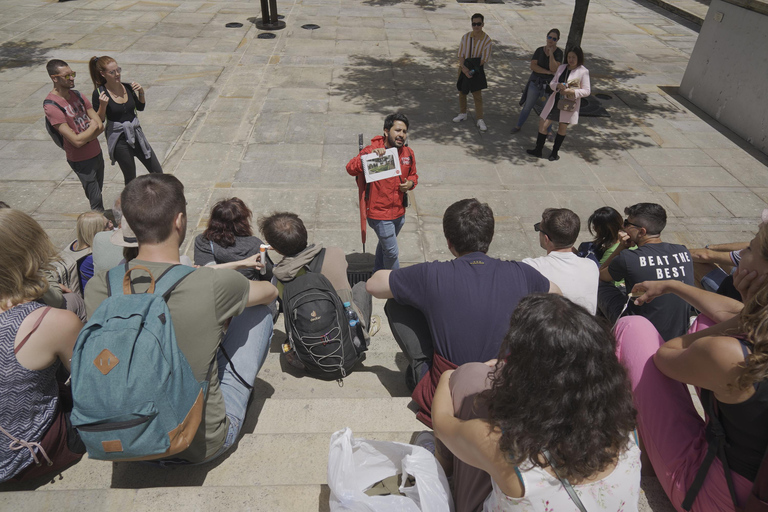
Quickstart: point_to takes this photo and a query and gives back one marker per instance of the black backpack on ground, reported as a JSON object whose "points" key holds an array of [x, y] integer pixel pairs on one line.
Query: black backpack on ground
{"points": [[317, 326]]}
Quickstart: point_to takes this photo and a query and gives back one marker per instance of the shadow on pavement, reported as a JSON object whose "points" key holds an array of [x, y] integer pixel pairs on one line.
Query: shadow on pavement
{"points": [[422, 85], [20, 54]]}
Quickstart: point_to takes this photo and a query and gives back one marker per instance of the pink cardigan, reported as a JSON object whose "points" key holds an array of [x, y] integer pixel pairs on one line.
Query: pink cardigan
{"points": [[582, 74]]}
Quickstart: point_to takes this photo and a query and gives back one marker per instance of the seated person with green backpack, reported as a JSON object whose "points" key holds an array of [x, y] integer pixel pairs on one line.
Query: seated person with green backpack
{"points": [[144, 387], [330, 356]]}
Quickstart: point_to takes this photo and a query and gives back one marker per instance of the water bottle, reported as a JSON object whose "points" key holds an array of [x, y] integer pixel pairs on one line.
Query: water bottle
{"points": [[354, 324]]}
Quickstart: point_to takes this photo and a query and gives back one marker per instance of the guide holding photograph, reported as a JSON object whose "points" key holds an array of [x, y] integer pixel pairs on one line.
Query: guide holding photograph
{"points": [[385, 171]]}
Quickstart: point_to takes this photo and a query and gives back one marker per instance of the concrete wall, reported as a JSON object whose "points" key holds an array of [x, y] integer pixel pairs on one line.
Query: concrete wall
{"points": [[727, 75]]}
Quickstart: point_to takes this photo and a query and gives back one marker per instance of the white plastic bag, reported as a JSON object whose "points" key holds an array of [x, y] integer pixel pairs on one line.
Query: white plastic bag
{"points": [[354, 465]]}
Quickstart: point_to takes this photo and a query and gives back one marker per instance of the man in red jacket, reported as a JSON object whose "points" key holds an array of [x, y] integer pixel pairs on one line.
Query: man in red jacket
{"points": [[384, 198]]}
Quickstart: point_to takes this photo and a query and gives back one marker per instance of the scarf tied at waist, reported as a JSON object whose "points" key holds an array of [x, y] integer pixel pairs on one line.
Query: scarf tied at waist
{"points": [[133, 133]]}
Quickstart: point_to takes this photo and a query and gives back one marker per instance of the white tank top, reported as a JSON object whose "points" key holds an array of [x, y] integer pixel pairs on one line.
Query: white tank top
{"points": [[618, 492]]}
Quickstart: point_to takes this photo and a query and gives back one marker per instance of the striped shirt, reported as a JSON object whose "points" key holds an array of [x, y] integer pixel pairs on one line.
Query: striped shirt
{"points": [[471, 47]]}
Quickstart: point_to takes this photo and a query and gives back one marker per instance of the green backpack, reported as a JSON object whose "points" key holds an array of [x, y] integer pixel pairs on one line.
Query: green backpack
{"points": [[135, 395]]}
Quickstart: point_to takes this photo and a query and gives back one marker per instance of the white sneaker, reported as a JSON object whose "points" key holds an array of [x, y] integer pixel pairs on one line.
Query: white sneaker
{"points": [[460, 117], [481, 125]]}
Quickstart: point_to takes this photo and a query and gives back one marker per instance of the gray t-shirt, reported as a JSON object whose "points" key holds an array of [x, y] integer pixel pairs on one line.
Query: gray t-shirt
{"points": [[105, 254], [199, 306]]}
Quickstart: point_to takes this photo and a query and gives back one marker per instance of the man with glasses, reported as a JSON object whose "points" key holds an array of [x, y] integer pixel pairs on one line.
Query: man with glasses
{"points": [[653, 260], [577, 277], [73, 116], [474, 49]]}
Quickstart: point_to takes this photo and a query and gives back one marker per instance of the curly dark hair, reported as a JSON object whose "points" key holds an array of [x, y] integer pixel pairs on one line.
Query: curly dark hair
{"points": [[561, 388], [229, 218]]}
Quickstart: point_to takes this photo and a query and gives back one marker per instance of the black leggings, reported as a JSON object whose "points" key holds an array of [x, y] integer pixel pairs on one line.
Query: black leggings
{"points": [[124, 155]]}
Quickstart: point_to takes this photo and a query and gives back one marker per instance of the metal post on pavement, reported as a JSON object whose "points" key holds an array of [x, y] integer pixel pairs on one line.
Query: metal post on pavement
{"points": [[269, 18]]}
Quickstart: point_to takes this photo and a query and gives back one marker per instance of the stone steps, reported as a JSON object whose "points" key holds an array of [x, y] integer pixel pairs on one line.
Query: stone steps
{"points": [[280, 462], [252, 498]]}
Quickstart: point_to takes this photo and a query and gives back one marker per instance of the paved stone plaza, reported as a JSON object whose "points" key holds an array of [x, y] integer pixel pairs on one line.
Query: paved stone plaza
{"points": [[274, 122]]}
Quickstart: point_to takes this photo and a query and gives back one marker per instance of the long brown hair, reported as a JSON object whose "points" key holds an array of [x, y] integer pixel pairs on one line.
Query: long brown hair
{"points": [[27, 253], [753, 323], [97, 66]]}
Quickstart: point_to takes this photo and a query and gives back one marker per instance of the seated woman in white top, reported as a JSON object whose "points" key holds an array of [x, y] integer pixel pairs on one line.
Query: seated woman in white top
{"points": [[557, 393]]}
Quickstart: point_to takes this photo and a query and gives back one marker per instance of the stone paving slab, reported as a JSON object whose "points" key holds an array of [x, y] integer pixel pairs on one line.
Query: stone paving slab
{"points": [[275, 121]]}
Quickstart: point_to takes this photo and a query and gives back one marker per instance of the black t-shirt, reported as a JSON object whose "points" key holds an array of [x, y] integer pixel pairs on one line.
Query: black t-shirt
{"points": [[467, 302], [656, 262], [542, 60], [119, 112]]}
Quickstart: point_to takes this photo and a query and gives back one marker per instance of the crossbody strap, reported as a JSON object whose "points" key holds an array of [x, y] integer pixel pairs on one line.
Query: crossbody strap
{"points": [[566, 484], [715, 435]]}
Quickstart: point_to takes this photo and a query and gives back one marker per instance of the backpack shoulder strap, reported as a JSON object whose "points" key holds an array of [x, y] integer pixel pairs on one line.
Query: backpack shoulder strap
{"points": [[115, 280], [316, 265], [170, 279], [51, 102]]}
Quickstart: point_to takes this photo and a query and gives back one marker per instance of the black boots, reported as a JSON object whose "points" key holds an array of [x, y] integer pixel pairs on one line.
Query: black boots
{"points": [[556, 147], [540, 140]]}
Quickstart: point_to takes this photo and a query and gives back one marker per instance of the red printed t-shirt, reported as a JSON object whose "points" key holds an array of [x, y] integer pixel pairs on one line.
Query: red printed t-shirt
{"points": [[77, 119]]}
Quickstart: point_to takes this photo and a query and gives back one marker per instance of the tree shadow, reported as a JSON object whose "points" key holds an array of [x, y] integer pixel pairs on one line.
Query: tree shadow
{"points": [[21, 54], [427, 5], [421, 84]]}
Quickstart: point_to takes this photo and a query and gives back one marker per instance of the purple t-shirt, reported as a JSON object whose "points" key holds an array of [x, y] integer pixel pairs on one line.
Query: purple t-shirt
{"points": [[468, 302]]}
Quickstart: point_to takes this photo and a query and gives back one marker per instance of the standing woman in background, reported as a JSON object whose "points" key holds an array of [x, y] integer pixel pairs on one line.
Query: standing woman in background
{"points": [[571, 83], [117, 103]]}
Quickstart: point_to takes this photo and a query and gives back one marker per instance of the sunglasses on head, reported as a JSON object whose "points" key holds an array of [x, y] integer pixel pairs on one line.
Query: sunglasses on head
{"points": [[477, 24], [552, 38]]}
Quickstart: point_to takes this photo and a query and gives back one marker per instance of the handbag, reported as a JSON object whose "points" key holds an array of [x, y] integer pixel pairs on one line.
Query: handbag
{"points": [[566, 105]]}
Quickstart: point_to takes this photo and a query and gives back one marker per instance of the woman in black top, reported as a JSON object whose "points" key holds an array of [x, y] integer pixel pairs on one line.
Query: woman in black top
{"points": [[117, 102], [725, 356], [544, 63]]}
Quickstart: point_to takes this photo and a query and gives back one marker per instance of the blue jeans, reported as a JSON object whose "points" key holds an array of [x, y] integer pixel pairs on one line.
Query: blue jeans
{"points": [[386, 250], [536, 94], [247, 343]]}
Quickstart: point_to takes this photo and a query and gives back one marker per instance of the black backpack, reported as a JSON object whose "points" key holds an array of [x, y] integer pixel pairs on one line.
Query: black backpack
{"points": [[317, 326], [57, 137]]}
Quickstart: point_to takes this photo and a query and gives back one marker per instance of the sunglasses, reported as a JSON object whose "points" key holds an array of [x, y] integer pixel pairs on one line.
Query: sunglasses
{"points": [[115, 71], [477, 24], [552, 38], [537, 228], [627, 224], [67, 76]]}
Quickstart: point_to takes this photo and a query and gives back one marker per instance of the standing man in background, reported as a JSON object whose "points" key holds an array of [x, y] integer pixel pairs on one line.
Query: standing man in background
{"points": [[72, 115], [474, 52], [384, 198]]}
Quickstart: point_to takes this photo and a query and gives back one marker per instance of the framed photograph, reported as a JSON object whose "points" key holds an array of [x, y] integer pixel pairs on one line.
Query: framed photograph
{"points": [[381, 167]]}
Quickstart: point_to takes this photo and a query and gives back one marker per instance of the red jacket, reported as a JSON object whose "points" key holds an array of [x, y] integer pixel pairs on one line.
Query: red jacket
{"points": [[385, 201]]}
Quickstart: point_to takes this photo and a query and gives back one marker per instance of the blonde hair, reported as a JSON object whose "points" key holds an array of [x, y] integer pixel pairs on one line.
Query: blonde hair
{"points": [[97, 66], [88, 224], [753, 323], [26, 253]]}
